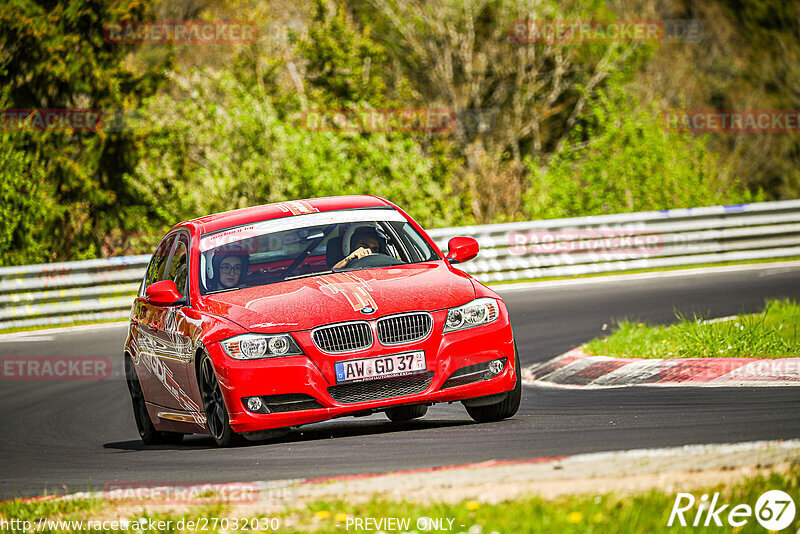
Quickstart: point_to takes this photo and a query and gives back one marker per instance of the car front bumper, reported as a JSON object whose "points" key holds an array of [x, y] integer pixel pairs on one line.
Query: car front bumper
{"points": [[312, 374]]}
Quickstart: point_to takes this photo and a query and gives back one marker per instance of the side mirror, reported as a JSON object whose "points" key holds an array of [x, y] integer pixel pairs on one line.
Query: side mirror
{"points": [[461, 249], [163, 293]]}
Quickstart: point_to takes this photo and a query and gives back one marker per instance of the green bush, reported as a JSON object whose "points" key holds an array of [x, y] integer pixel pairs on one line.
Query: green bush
{"points": [[26, 206], [54, 56], [231, 132], [222, 147], [620, 159]]}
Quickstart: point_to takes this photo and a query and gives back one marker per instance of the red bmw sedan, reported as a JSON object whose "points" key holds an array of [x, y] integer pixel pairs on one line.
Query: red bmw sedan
{"points": [[254, 321]]}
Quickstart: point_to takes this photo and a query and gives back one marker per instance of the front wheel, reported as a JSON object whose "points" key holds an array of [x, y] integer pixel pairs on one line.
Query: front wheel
{"points": [[214, 406], [148, 432], [503, 409]]}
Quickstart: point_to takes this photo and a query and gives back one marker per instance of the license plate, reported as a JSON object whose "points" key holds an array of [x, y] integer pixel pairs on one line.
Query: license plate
{"points": [[380, 367]]}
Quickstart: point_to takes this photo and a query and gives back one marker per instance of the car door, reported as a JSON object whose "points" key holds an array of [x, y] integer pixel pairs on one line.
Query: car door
{"points": [[180, 326], [163, 337]]}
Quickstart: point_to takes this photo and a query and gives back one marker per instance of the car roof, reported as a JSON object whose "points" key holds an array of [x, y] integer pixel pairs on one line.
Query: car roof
{"points": [[228, 219]]}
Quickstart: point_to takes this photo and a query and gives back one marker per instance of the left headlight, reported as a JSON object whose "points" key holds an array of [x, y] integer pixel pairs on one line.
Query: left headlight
{"points": [[255, 346], [479, 311]]}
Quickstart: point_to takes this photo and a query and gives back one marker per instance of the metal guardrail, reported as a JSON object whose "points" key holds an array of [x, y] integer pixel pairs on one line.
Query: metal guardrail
{"points": [[59, 293], [586, 245], [93, 290]]}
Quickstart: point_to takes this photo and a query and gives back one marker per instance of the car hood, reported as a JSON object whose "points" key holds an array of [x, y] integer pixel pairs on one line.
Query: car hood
{"points": [[306, 303]]}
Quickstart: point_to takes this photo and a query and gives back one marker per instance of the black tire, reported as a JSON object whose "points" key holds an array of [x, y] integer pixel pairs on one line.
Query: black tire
{"points": [[406, 413], [148, 432], [504, 409], [214, 405]]}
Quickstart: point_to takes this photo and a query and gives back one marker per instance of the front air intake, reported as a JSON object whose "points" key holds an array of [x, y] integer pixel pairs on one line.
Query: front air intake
{"points": [[387, 388]]}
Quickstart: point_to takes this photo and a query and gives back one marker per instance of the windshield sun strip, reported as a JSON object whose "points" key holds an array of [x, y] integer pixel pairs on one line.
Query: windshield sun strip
{"points": [[234, 234]]}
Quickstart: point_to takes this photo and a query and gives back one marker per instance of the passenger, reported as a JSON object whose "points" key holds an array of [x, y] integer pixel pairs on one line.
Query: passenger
{"points": [[230, 265]]}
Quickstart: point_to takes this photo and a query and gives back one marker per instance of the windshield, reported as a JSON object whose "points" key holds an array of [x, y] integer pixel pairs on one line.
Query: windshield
{"points": [[308, 245]]}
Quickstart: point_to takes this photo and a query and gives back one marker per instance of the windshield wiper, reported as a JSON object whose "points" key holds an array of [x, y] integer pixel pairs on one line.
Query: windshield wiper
{"points": [[223, 290], [306, 275]]}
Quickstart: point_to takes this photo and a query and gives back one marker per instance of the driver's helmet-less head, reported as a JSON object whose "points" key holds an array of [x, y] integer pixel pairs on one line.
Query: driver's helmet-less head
{"points": [[369, 232]]}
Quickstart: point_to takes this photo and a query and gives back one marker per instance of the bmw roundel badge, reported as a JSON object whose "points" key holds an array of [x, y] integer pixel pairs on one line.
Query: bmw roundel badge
{"points": [[367, 310]]}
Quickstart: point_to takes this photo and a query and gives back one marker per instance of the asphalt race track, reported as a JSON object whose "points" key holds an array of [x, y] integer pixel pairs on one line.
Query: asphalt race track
{"points": [[60, 436]]}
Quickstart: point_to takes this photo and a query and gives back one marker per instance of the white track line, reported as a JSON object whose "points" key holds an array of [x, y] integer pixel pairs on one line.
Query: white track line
{"points": [[611, 278], [31, 335]]}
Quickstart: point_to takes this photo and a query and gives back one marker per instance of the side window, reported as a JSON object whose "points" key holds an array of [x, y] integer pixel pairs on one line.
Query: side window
{"points": [[158, 263], [416, 245], [179, 264]]}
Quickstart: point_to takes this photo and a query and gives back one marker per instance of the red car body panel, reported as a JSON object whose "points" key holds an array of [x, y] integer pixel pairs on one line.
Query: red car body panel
{"points": [[423, 286], [164, 342]]}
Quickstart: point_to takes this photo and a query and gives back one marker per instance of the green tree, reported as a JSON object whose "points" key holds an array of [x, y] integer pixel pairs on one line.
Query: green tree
{"points": [[236, 150], [54, 56], [620, 159], [465, 55], [343, 65], [26, 206]]}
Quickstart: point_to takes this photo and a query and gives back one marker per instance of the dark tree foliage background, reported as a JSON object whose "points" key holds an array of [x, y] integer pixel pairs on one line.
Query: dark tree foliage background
{"points": [[546, 129], [54, 57]]}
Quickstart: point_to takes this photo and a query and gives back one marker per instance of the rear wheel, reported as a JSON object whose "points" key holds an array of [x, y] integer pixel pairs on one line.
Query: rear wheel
{"points": [[214, 406], [406, 413], [503, 409], [148, 432]]}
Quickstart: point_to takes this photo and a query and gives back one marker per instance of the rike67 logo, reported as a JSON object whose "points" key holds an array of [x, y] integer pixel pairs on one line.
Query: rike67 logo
{"points": [[774, 510]]}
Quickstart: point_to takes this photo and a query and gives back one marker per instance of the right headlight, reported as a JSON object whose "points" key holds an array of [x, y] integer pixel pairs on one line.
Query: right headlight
{"points": [[479, 311], [257, 346]]}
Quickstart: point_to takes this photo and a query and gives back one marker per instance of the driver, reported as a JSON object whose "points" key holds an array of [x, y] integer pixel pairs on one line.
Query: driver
{"points": [[365, 241]]}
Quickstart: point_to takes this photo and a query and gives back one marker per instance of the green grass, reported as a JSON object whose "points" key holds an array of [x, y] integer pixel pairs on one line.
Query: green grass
{"points": [[51, 509], [609, 513], [56, 326], [589, 513], [773, 333], [95, 510]]}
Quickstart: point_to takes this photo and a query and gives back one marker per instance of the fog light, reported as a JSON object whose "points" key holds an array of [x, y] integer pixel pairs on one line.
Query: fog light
{"points": [[254, 404], [495, 366]]}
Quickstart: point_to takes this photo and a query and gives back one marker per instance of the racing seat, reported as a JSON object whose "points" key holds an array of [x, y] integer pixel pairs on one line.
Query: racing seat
{"points": [[333, 252]]}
